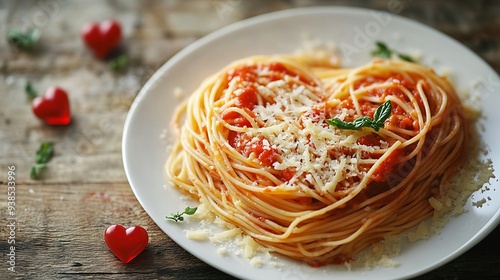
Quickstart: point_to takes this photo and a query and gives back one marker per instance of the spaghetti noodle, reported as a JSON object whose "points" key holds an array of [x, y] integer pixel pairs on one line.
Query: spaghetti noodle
{"points": [[254, 146]]}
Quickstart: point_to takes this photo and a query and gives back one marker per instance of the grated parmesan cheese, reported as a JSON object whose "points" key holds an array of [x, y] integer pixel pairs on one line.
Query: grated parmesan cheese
{"points": [[197, 235], [436, 204], [203, 214], [422, 232], [387, 262], [251, 247], [231, 239], [222, 251], [299, 136], [256, 262], [225, 235]]}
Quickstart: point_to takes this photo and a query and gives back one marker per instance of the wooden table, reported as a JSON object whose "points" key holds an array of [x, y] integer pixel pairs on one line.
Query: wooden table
{"points": [[61, 218]]}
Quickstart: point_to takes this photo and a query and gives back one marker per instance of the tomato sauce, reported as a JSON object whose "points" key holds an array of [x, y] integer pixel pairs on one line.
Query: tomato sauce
{"points": [[372, 140], [399, 118], [287, 175], [387, 166], [368, 108], [276, 70], [279, 71], [236, 119], [246, 97], [253, 146]]}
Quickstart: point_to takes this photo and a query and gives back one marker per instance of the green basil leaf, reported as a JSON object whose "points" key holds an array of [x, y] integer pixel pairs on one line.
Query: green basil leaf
{"points": [[382, 113], [30, 91], [405, 57], [190, 210], [24, 40], [119, 63], [383, 51], [45, 153]]}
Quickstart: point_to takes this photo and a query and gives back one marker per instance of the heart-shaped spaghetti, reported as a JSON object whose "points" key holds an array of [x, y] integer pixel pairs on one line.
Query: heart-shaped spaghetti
{"points": [[255, 147]]}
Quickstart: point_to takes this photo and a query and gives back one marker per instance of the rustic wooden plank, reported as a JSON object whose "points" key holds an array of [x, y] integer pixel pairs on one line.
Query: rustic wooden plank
{"points": [[89, 149], [59, 234]]}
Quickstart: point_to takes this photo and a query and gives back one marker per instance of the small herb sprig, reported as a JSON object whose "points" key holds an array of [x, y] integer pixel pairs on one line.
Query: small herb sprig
{"points": [[30, 91], [383, 51], [24, 40], [382, 113], [119, 63], [179, 217], [42, 157]]}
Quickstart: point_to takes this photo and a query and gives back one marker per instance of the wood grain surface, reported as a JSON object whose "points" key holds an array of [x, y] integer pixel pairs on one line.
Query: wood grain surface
{"points": [[60, 219]]}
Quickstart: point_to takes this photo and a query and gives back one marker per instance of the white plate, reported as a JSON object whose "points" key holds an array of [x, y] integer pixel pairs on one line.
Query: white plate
{"points": [[354, 31]]}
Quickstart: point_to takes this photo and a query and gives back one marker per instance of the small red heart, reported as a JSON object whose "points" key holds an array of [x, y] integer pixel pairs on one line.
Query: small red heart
{"points": [[102, 37], [126, 244], [53, 107]]}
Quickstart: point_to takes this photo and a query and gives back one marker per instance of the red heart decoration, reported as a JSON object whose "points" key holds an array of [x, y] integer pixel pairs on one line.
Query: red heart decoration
{"points": [[126, 244], [103, 37], [53, 107]]}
